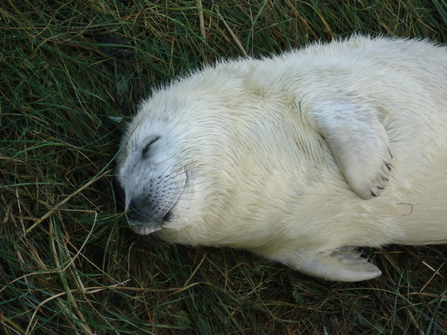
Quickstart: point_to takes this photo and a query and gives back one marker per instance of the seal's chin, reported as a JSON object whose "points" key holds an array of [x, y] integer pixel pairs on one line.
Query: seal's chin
{"points": [[142, 228]]}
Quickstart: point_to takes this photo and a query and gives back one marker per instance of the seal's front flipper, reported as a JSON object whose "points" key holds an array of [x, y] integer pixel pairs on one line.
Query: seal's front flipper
{"points": [[358, 142], [342, 264]]}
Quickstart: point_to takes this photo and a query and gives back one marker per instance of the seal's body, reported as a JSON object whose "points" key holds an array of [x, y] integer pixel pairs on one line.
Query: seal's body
{"points": [[298, 157]]}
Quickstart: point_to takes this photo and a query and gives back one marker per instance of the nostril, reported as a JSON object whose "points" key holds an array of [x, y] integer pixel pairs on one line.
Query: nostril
{"points": [[131, 215], [131, 205], [132, 211]]}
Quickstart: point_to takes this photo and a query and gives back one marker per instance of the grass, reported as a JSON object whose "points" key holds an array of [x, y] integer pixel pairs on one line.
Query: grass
{"points": [[71, 73]]}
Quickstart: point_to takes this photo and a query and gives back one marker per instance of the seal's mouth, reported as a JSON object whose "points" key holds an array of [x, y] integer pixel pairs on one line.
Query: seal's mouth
{"points": [[141, 225]]}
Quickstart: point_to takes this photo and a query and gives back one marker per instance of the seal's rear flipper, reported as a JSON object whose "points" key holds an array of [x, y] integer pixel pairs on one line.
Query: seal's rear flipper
{"points": [[342, 264]]}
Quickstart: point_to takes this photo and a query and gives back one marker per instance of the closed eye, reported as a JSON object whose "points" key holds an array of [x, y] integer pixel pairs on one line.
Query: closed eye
{"points": [[148, 146]]}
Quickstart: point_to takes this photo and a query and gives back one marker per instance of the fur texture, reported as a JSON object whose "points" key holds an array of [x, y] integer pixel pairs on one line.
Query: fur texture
{"points": [[297, 157]]}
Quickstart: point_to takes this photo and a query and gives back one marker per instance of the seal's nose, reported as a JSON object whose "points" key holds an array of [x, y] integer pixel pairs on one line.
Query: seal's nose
{"points": [[133, 213]]}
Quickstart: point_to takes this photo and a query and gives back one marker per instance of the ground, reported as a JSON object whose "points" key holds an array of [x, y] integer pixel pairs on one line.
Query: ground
{"points": [[71, 74]]}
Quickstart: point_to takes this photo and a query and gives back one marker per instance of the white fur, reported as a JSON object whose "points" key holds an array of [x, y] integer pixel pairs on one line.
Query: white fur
{"points": [[279, 155]]}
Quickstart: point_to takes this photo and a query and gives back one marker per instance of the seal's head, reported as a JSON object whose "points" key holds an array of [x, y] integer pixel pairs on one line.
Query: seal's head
{"points": [[166, 165], [155, 182], [152, 197]]}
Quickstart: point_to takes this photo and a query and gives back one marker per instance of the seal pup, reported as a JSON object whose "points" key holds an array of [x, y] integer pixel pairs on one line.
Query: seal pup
{"points": [[298, 157]]}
